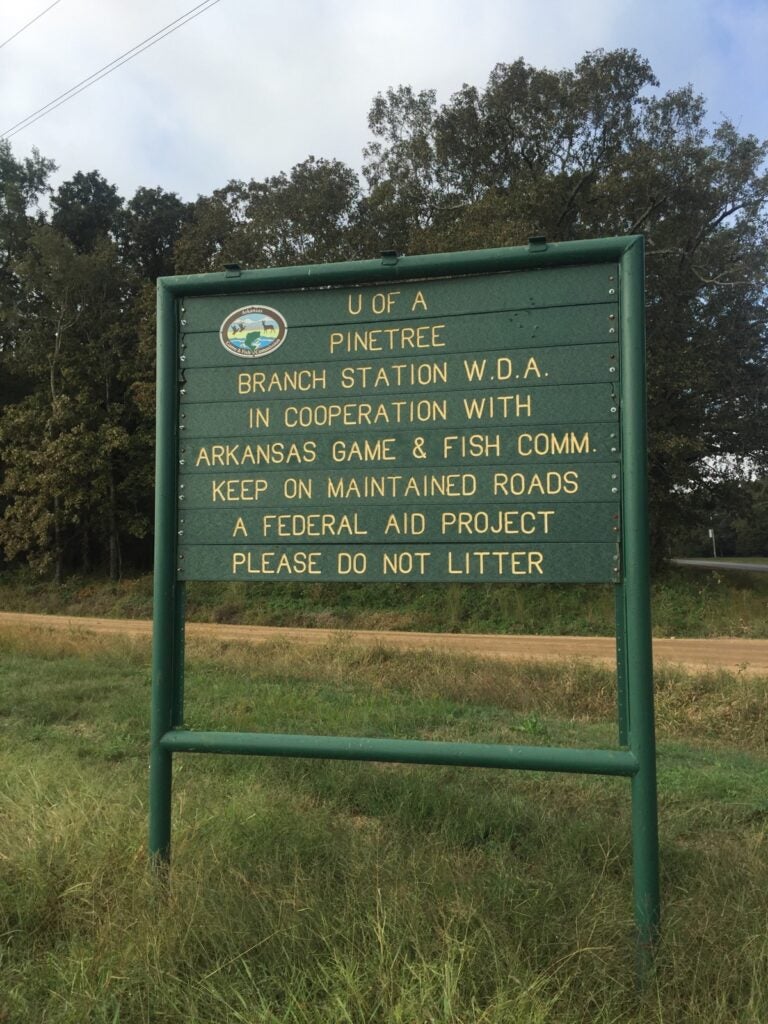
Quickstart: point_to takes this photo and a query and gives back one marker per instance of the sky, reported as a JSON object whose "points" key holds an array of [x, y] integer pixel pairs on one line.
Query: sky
{"points": [[251, 88]]}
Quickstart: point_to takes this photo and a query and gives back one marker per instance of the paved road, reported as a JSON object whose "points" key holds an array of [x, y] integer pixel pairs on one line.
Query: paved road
{"points": [[720, 563], [749, 656]]}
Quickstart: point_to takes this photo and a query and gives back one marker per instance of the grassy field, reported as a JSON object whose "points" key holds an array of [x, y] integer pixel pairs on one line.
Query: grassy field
{"points": [[325, 893], [685, 603]]}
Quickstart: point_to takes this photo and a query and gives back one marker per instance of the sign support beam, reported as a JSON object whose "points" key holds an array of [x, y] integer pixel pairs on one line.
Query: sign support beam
{"points": [[343, 748], [167, 640], [639, 657]]}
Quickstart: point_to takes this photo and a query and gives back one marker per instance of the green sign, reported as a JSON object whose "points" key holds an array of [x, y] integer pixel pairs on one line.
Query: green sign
{"points": [[462, 417], [461, 428]]}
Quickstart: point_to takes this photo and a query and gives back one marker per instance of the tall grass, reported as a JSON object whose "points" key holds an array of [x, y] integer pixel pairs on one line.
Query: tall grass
{"points": [[324, 892], [685, 603]]}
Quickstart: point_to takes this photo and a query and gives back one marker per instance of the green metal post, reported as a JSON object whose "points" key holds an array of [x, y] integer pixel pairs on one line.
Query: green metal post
{"points": [[639, 658], [622, 703], [165, 649], [179, 631]]}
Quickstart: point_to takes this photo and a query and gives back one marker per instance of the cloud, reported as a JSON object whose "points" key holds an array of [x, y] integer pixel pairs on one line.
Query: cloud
{"points": [[249, 89]]}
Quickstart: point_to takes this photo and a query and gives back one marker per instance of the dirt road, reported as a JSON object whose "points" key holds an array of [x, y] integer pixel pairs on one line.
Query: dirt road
{"points": [[749, 656]]}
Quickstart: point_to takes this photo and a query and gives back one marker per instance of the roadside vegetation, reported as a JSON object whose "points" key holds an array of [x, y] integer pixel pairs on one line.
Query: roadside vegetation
{"points": [[336, 892], [685, 603]]}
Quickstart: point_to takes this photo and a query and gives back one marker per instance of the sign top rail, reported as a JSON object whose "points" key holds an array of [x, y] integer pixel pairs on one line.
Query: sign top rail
{"points": [[390, 267]]}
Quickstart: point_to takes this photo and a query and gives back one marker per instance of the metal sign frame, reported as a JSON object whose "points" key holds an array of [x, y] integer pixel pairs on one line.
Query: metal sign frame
{"points": [[635, 757]]}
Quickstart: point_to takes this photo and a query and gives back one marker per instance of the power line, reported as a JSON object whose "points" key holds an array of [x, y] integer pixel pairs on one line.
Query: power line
{"points": [[107, 69], [113, 65], [32, 22]]}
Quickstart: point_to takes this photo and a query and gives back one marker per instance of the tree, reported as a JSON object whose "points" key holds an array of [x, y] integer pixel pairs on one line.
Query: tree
{"points": [[149, 229], [23, 183], [74, 449], [595, 151], [302, 217], [213, 235], [85, 210], [402, 168]]}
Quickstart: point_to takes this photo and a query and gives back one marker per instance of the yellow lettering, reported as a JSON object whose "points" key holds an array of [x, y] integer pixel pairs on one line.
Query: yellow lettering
{"points": [[504, 369], [238, 490], [258, 562], [366, 450], [518, 484], [258, 417], [387, 339], [553, 444], [260, 453], [397, 485], [495, 564], [405, 563], [406, 522], [294, 488], [493, 406], [355, 562], [312, 524], [531, 368], [504, 522], [356, 414], [260, 382], [411, 374], [472, 446]]}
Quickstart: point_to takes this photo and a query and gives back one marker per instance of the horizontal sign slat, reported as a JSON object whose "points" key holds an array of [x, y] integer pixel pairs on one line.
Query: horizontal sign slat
{"points": [[426, 336], [379, 524], [530, 289], [296, 417], [398, 448], [436, 563], [558, 482], [429, 374]]}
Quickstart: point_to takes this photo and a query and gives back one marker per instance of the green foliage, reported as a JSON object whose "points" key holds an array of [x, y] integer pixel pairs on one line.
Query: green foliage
{"points": [[74, 447], [149, 230], [23, 183], [304, 217], [85, 210]]}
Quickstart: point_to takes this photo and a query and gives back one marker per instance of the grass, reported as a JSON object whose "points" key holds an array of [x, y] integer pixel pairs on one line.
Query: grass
{"points": [[319, 892], [686, 602]]}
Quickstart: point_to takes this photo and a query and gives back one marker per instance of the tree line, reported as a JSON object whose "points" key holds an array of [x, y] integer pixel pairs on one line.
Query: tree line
{"points": [[578, 153]]}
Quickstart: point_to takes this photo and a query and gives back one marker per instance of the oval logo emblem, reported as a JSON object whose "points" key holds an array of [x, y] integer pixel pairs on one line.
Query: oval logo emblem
{"points": [[253, 331]]}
